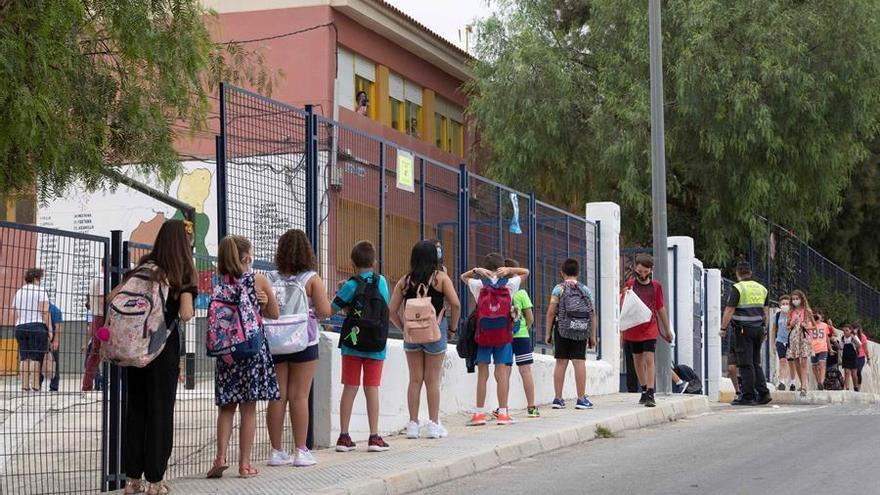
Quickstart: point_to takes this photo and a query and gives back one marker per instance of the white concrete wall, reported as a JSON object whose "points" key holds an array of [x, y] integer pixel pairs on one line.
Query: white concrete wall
{"points": [[713, 325], [607, 215], [684, 298], [457, 393]]}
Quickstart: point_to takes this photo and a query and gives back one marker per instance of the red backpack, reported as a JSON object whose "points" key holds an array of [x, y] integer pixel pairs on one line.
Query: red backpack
{"points": [[494, 324]]}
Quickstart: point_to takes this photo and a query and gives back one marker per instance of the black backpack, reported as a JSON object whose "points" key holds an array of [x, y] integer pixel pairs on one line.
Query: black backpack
{"points": [[686, 373], [365, 327], [833, 379]]}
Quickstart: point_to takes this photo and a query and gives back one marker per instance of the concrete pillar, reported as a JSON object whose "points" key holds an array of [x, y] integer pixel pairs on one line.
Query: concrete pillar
{"points": [[607, 214], [680, 301], [713, 326]]}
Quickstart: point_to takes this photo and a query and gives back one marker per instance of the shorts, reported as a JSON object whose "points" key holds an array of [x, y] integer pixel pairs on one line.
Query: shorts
{"points": [[523, 351], [351, 371], [499, 354], [731, 358], [642, 346], [306, 355], [33, 341], [781, 350], [819, 356], [564, 348], [433, 348]]}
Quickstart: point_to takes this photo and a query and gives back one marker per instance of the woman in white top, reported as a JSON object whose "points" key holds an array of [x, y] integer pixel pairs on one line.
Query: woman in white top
{"points": [[31, 328], [295, 262]]}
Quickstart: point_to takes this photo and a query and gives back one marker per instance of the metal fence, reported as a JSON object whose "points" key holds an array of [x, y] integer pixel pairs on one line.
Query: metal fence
{"points": [[346, 188], [51, 440]]}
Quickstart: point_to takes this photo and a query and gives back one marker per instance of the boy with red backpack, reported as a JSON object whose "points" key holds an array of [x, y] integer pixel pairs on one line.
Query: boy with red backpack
{"points": [[493, 286], [571, 319]]}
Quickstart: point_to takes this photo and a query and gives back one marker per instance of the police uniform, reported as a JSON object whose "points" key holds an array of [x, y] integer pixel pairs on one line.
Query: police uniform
{"points": [[749, 300]]}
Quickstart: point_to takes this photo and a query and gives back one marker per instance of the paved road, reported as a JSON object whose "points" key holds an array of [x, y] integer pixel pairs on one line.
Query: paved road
{"points": [[779, 450]]}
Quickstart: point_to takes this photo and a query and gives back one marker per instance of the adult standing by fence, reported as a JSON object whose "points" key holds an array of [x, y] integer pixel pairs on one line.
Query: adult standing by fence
{"points": [[32, 321], [864, 354], [748, 307]]}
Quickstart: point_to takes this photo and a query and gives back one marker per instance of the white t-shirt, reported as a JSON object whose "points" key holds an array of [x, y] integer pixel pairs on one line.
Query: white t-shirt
{"points": [[28, 303], [476, 284]]}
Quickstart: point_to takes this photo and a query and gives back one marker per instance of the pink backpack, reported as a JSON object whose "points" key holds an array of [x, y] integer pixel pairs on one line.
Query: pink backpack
{"points": [[136, 321], [235, 324], [494, 306], [421, 323]]}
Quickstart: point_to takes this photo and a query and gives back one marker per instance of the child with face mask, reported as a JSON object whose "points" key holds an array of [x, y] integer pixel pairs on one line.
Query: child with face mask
{"points": [[800, 322], [779, 331]]}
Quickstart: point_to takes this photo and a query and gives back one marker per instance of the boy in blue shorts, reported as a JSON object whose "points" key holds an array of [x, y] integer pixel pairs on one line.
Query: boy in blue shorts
{"points": [[494, 272], [523, 345]]}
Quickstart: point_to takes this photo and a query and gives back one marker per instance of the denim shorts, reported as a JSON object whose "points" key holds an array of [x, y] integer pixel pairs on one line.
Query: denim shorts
{"points": [[438, 347], [781, 349], [33, 341], [819, 356], [500, 354]]}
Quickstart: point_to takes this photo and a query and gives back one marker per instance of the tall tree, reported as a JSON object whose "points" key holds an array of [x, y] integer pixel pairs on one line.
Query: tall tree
{"points": [[85, 83], [769, 105]]}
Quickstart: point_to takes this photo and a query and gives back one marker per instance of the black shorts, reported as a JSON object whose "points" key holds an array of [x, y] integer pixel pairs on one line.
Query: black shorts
{"points": [[33, 341], [642, 346], [306, 355], [564, 348], [731, 358]]}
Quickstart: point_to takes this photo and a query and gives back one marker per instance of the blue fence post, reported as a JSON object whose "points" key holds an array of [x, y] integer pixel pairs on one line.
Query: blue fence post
{"points": [[499, 221], [533, 248], [381, 247], [311, 124], [112, 394], [220, 150], [463, 235], [422, 196], [675, 298], [597, 264], [567, 236]]}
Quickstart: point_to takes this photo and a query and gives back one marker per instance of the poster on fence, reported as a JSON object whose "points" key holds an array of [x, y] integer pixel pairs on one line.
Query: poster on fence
{"points": [[514, 221], [406, 179]]}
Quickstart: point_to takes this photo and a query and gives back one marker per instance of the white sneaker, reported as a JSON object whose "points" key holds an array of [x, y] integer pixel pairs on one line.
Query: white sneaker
{"points": [[304, 458], [412, 430], [436, 431], [279, 458]]}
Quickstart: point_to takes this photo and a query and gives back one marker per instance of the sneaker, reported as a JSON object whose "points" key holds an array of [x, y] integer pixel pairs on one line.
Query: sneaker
{"points": [[765, 399], [412, 430], [558, 404], [792, 388], [738, 397], [649, 400], [534, 413], [377, 444], [680, 389], [584, 403], [478, 419], [436, 430], [504, 419], [739, 401], [344, 443], [643, 398], [780, 387], [279, 458], [820, 386], [304, 458]]}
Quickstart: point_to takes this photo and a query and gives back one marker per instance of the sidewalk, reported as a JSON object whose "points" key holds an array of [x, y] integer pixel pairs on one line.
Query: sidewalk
{"points": [[813, 397], [412, 465]]}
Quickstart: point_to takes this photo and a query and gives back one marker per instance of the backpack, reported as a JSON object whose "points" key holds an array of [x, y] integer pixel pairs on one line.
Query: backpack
{"points": [[466, 346], [421, 323], [575, 313], [686, 373], [136, 320], [296, 328], [235, 324], [833, 379], [494, 324], [365, 328]]}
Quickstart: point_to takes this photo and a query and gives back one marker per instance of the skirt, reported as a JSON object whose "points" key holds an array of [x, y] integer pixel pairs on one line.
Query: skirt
{"points": [[250, 380], [798, 345]]}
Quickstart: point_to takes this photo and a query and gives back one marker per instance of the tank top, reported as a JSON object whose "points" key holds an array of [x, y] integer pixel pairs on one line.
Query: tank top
{"points": [[849, 347], [438, 300]]}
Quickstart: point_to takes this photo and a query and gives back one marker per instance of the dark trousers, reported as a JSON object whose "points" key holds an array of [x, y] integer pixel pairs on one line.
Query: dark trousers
{"points": [[632, 378], [747, 344], [859, 372], [149, 414], [53, 383], [92, 377]]}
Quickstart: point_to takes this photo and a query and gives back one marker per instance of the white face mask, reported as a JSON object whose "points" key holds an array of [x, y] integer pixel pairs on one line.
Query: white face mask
{"points": [[784, 308], [796, 303]]}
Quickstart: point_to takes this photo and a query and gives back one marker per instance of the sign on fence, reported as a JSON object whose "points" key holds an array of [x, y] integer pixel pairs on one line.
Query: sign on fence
{"points": [[405, 171]]}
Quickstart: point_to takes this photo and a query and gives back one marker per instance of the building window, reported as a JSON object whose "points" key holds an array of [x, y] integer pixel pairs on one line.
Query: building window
{"points": [[363, 86], [397, 114], [413, 119], [456, 138]]}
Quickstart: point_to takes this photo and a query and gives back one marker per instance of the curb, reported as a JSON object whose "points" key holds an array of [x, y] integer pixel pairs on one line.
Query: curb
{"points": [[429, 474], [814, 397]]}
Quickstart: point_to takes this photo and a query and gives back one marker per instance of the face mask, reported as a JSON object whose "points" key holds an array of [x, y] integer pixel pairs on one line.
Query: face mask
{"points": [[784, 308], [643, 279], [796, 303]]}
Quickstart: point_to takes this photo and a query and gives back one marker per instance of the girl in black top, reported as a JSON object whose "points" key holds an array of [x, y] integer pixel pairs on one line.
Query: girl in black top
{"points": [[425, 361], [149, 420], [850, 356]]}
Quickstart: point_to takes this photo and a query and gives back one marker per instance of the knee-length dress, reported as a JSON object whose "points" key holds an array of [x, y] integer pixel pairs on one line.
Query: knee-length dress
{"points": [[249, 380], [798, 344]]}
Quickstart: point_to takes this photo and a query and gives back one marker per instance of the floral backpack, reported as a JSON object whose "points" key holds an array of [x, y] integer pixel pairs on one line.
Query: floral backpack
{"points": [[235, 325]]}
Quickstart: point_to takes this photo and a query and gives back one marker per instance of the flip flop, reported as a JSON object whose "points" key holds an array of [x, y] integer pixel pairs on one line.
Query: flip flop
{"points": [[247, 471], [217, 469]]}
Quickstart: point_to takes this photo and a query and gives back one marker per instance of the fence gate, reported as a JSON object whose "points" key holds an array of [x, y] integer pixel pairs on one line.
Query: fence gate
{"points": [[699, 365]]}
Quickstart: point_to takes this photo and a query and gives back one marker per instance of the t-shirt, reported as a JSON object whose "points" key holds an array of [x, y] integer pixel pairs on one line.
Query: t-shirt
{"points": [[28, 303], [344, 297], [652, 295], [521, 302], [55, 315], [819, 337], [864, 339], [476, 285], [781, 327], [558, 290]]}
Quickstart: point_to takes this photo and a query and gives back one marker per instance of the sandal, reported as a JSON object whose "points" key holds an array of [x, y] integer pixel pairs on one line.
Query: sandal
{"points": [[160, 488], [133, 486], [217, 469], [247, 471]]}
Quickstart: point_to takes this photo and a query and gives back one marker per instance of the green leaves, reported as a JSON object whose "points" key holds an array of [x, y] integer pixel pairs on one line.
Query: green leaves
{"points": [[768, 105], [84, 83]]}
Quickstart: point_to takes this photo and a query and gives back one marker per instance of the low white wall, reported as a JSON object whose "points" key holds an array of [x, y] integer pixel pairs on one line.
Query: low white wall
{"points": [[457, 393]]}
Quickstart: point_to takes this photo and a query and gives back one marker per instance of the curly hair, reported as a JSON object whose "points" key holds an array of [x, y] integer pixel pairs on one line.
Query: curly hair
{"points": [[294, 254]]}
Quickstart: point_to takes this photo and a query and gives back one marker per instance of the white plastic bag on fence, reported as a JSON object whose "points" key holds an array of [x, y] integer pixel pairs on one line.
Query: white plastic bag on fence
{"points": [[633, 312]]}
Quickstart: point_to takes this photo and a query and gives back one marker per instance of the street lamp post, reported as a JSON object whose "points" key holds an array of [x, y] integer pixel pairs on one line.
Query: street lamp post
{"points": [[658, 184]]}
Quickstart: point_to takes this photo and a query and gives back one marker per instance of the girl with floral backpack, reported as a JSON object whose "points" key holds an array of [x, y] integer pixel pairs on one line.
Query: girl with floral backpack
{"points": [[241, 299]]}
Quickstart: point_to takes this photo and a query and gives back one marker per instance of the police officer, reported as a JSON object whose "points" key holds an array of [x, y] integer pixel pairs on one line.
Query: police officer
{"points": [[747, 307]]}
